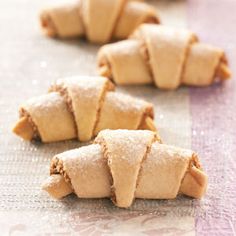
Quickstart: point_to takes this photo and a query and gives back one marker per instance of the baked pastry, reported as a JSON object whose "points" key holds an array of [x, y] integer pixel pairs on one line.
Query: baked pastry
{"points": [[124, 165], [164, 56], [90, 18], [79, 107]]}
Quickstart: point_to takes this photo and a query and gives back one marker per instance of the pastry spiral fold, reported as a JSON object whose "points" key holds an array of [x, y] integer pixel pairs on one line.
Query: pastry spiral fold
{"points": [[98, 20], [124, 165], [79, 107], [164, 56]]}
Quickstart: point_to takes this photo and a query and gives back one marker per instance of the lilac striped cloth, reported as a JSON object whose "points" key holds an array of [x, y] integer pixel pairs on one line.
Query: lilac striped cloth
{"points": [[213, 112]]}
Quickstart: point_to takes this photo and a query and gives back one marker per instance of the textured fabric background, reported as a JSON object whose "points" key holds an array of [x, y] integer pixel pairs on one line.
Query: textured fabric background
{"points": [[201, 118], [213, 112]]}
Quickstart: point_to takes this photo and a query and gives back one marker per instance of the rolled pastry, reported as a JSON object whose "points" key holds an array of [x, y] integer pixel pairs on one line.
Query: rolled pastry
{"points": [[98, 20], [79, 107], [164, 56], [124, 165]]}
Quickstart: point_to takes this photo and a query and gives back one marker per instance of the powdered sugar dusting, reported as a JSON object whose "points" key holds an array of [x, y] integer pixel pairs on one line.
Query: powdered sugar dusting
{"points": [[75, 159], [163, 153], [89, 85], [127, 103], [43, 102], [129, 145]]}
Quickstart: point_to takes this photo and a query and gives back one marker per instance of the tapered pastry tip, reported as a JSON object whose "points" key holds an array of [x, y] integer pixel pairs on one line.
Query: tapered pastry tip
{"points": [[24, 129], [47, 24], [57, 187]]}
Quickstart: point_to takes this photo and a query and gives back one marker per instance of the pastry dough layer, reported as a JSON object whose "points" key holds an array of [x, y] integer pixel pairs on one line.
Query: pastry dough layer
{"points": [[98, 20], [80, 107], [51, 116], [63, 21], [165, 56], [129, 164]]}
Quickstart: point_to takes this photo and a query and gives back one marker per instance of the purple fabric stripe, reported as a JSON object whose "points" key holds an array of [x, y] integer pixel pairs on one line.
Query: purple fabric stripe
{"points": [[213, 112]]}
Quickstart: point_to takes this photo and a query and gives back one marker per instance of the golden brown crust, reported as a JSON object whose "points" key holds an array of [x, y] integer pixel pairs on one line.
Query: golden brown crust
{"points": [[105, 70], [195, 181], [152, 20], [47, 24], [148, 124], [147, 121], [222, 71], [24, 129]]}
